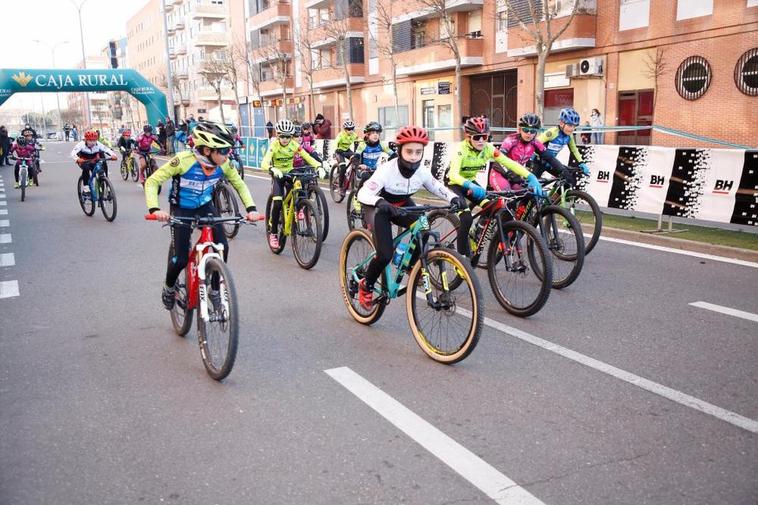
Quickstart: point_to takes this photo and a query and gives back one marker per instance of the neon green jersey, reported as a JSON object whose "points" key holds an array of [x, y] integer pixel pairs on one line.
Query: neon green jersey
{"points": [[281, 157], [346, 140], [466, 162]]}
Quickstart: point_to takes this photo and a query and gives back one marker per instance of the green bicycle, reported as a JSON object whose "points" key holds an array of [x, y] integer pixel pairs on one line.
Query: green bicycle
{"points": [[300, 219], [579, 203], [445, 316]]}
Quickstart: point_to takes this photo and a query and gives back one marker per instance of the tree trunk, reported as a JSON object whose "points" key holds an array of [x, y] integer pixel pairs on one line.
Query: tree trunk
{"points": [[459, 98], [237, 99], [221, 106], [394, 90], [540, 84], [310, 98]]}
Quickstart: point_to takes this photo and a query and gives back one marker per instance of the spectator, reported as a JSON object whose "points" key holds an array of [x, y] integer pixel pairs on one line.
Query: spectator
{"points": [[586, 136], [170, 137], [67, 130], [191, 122], [322, 127], [162, 136], [270, 129], [5, 146], [75, 133], [596, 121]]}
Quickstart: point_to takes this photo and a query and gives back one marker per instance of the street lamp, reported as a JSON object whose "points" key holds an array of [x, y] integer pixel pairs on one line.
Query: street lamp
{"points": [[52, 48], [84, 57]]}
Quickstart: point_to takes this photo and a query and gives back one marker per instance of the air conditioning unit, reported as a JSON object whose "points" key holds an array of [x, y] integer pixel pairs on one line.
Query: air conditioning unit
{"points": [[590, 66], [572, 70]]}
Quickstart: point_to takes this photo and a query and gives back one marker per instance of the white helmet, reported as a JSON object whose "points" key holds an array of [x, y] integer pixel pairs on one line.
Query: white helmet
{"points": [[285, 127], [348, 124]]}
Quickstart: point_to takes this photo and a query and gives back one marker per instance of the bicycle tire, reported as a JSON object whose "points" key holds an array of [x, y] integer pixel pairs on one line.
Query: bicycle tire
{"points": [[334, 185], [513, 231], [227, 206], [547, 224], [471, 281], [181, 316], [322, 206], [348, 285], [221, 370], [597, 229], [106, 194], [355, 218], [282, 237], [22, 180], [88, 206], [311, 233], [133, 170], [124, 170]]}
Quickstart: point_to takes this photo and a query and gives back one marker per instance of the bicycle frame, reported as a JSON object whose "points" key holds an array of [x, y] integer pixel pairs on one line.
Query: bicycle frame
{"points": [[204, 249], [288, 204], [95, 173]]}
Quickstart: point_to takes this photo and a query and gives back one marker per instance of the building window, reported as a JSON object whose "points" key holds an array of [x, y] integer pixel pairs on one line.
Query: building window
{"points": [[634, 14], [418, 33], [746, 73], [355, 46], [388, 119], [445, 116], [687, 9], [693, 77], [752, 3]]}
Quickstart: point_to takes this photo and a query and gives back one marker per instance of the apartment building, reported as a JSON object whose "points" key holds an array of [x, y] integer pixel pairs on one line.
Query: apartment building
{"points": [[681, 64], [100, 113]]}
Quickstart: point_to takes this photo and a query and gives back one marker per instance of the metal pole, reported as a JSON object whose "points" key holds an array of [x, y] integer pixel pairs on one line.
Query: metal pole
{"points": [[169, 75], [84, 59], [44, 119]]}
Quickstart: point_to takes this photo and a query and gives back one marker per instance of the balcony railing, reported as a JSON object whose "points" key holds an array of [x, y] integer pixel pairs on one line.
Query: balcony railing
{"points": [[437, 56], [209, 11], [211, 39]]}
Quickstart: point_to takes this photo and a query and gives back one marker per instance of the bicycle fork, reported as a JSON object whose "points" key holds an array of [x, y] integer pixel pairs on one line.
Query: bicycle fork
{"points": [[202, 288]]}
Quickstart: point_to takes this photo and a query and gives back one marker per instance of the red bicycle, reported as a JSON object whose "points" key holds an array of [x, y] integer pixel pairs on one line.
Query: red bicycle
{"points": [[206, 284]]}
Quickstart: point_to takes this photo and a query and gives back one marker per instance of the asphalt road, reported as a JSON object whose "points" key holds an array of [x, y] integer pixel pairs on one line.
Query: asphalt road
{"points": [[618, 392]]}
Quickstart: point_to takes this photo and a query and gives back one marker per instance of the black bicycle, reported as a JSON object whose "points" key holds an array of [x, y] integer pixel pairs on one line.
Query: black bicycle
{"points": [[97, 192]]}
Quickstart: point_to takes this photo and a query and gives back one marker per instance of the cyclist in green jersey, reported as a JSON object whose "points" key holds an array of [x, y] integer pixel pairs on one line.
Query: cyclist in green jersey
{"points": [[467, 161], [345, 142], [278, 161]]}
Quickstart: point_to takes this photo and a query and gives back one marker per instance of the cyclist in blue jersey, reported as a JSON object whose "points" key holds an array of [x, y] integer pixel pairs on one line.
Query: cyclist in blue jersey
{"points": [[557, 137]]}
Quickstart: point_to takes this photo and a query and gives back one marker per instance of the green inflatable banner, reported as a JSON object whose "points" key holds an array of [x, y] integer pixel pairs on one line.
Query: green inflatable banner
{"points": [[41, 80]]}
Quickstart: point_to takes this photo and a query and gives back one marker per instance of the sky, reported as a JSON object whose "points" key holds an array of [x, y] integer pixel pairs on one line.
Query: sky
{"points": [[54, 21]]}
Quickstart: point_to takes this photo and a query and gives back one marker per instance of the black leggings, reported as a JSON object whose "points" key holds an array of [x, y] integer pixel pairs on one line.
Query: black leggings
{"points": [[279, 188], [466, 219], [32, 171], [178, 253], [381, 228]]}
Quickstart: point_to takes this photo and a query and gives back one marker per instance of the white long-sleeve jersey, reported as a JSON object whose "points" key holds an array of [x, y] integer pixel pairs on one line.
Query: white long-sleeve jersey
{"points": [[388, 183], [82, 151]]}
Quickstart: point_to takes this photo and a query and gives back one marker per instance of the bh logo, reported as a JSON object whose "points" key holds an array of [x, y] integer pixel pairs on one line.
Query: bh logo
{"points": [[603, 176], [723, 186], [656, 181]]}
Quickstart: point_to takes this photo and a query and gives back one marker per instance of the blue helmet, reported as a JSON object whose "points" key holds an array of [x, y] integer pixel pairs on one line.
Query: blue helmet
{"points": [[570, 116]]}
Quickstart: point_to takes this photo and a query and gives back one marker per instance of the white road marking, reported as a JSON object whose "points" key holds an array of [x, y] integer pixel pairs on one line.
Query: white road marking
{"points": [[7, 260], [3, 212], [5, 238], [712, 257], [2, 202], [4, 223], [726, 310], [467, 464], [8, 289]]}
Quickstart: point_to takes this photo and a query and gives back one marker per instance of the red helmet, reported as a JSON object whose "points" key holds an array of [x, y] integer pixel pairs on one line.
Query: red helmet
{"points": [[476, 125], [409, 134], [127, 133], [90, 135]]}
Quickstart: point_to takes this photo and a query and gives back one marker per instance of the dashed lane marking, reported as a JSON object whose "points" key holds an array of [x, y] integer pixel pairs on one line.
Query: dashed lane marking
{"points": [[5, 238], [8, 289], [726, 310], [7, 260]]}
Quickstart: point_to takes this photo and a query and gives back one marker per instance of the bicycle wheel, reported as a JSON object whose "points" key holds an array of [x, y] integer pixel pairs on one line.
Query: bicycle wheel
{"points": [[22, 180], [306, 234], [181, 315], [338, 194], [86, 203], [563, 236], [107, 199], [354, 211], [227, 206], [355, 250], [512, 271], [124, 170], [447, 328], [446, 224], [133, 170], [282, 236], [218, 335], [586, 210], [317, 196]]}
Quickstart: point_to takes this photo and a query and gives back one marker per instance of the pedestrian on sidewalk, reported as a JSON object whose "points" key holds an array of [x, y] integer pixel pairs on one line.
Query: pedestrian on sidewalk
{"points": [[5, 146], [162, 137], [322, 127], [170, 137], [596, 121]]}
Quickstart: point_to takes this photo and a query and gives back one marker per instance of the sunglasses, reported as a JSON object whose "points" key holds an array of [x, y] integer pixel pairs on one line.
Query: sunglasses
{"points": [[349, 129], [285, 137], [480, 137], [529, 130], [224, 151]]}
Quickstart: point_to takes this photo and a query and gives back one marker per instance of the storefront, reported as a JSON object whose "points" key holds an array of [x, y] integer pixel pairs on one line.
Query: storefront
{"points": [[495, 96]]}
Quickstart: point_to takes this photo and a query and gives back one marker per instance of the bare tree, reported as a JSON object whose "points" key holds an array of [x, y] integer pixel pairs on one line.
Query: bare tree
{"points": [[227, 62], [537, 19], [279, 62], [385, 45], [337, 29], [214, 72], [308, 66], [655, 67], [242, 57]]}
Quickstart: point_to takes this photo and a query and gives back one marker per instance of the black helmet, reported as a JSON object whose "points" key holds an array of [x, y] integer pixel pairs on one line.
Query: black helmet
{"points": [[213, 135], [373, 126], [147, 128], [530, 120], [306, 126], [20, 141], [298, 131], [233, 130]]}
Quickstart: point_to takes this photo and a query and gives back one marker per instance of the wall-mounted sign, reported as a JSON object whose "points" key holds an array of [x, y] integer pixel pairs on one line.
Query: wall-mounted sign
{"points": [[257, 103], [443, 88], [428, 91]]}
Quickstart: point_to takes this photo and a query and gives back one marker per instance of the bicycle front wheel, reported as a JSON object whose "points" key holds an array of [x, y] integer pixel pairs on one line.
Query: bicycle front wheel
{"points": [[227, 206], [354, 211], [512, 271], [355, 250], [445, 321], [306, 234], [85, 199], [133, 170], [124, 170], [22, 180], [107, 199], [586, 210], [563, 236], [218, 335], [335, 189], [317, 196]]}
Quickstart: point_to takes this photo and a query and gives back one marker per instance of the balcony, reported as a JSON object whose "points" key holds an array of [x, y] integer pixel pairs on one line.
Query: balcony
{"points": [[212, 39], [169, 5], [179, 25], [171, 53], [355, 28], [581, 34], [435, 57], [274, 88], [207, 93], [209, 11], [334, 77], [317, 4], [181, 50], [451, 6], [182, 75], [277, 13], [270, 51]]}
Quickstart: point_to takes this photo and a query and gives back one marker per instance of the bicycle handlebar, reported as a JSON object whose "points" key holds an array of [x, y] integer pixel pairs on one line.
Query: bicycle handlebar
{"points": [[203, 221]]}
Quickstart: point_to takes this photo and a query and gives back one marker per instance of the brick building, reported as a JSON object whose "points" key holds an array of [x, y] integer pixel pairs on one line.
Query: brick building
{"points": [[706, 82]]}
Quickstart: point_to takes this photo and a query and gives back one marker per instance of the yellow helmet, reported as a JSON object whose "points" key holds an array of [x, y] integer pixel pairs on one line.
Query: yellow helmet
{"points": [[213, 135]]}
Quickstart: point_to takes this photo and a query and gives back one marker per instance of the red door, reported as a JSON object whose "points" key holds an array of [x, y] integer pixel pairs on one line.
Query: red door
{"points": [[635, 108]]}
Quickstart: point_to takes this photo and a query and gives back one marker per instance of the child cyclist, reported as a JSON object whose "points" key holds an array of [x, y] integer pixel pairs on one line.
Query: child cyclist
{"points": [[384, 195], [195, 175], [370, 149], [144, 146], [521, 147], [278, 161], [126, 144], [345, 142], [87, 152], [472, 157], [558, 136]]}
